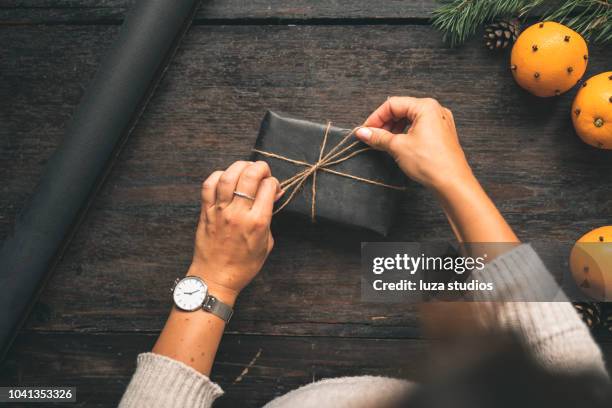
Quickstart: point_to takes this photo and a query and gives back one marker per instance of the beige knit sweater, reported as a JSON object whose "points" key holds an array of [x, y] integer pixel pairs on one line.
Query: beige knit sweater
{"points": [[554, 332]]}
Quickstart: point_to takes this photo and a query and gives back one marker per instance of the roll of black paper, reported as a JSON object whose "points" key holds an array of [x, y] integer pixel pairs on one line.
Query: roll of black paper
{"points": [[106, 115]]}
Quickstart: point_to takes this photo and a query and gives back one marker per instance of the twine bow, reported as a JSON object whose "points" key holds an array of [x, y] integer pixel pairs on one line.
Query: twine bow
{"points": [[337, 154]]}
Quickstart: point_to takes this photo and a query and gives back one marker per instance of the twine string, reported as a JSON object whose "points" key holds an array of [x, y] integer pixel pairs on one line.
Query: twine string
{"points": [[337, 154]]}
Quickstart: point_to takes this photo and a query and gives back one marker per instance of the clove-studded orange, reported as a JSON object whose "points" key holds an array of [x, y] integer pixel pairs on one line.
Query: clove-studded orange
{"points": [[592, 111], [548, 59], [591, 264]]}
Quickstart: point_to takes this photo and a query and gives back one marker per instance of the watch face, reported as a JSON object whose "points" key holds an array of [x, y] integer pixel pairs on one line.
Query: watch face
{"points": [[189, 293]]}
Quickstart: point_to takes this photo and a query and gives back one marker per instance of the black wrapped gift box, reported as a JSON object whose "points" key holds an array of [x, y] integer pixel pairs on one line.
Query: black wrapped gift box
{"points": [[339, 198]]}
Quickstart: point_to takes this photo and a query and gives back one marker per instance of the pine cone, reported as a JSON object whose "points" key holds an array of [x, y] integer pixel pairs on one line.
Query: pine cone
{"points": [[501, 34], [590, 313], [606, 320], [607, 323]]}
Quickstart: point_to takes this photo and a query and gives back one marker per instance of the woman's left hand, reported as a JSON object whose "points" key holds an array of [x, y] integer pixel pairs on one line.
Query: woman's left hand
{"points": [[233, 237]]}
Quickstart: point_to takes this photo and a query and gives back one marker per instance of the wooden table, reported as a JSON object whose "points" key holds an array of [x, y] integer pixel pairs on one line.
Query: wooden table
{"points": [[301, 319]]}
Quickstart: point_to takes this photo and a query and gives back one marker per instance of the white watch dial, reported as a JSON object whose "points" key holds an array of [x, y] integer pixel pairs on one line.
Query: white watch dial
{"points": [[189, 293]]}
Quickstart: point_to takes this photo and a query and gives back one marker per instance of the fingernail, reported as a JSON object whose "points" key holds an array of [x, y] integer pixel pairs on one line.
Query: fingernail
{"points": [[364, 133]]}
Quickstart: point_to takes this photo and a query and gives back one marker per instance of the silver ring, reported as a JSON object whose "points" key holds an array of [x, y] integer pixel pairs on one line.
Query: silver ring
{"points": [[244, 195]]}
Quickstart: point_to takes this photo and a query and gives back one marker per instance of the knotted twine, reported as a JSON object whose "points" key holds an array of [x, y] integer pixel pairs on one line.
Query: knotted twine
{"points": [[337, 154]]}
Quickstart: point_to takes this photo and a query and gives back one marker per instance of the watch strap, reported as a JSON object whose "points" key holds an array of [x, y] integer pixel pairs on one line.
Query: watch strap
{"points": [[218, 308]]}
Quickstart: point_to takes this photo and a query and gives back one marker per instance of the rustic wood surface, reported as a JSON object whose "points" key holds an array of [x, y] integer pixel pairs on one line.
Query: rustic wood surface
{"points": [[320, 60], [101, 365], [226, 10]]}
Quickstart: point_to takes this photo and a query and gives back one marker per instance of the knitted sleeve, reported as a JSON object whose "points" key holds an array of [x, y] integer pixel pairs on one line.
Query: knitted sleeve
{"points": [[553, 330], [160, 382]]}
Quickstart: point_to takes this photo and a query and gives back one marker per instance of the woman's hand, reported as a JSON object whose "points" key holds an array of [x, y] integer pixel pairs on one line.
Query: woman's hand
{"points": [[233, 240], [428, 151], [233, 237]]}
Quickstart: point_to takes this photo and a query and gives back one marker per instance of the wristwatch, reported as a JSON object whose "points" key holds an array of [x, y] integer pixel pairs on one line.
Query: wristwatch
{"points": [[191, 294]]}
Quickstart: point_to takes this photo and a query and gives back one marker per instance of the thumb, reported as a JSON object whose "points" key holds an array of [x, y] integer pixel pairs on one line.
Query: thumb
{"points": [[379, 139]]}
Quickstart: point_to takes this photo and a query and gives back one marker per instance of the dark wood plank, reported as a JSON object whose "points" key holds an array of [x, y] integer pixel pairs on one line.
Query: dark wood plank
{"points": [[100, 366], [205, 115], [38, 11]]}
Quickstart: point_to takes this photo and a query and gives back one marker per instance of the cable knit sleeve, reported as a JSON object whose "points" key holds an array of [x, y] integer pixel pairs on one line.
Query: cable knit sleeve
{"points": [[552, 330], [165, 383]]}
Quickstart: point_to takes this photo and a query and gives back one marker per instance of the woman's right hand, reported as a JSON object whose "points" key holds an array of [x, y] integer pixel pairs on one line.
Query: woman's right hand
{"points": [[428, 151]]}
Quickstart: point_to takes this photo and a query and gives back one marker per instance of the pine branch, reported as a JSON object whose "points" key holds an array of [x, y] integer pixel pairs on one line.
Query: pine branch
{"points": [[459, 19], [591, 18]]}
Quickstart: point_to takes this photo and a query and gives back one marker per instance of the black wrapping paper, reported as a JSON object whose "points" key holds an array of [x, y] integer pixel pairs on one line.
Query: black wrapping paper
{"points": [[106, 115], [338, 199]]}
